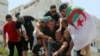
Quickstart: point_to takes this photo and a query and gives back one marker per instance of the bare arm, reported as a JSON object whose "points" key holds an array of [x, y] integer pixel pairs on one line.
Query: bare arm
{"points": [[60, 20], [4, 39], [70, 48], [4, 36], [45, 46], [65, 44], [41, 34]]}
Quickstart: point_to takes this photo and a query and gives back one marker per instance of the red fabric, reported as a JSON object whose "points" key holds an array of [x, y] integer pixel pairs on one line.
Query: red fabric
{"points": [[11, 30]]}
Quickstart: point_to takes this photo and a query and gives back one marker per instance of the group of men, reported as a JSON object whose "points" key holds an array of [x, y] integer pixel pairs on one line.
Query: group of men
{"points": [[52, 37]]}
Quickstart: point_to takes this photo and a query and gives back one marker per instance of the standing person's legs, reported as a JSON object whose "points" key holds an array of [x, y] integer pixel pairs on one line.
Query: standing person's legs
{"points": [[11, 48], [31, 42], [19, 48], [24, 47], [31, 38]]}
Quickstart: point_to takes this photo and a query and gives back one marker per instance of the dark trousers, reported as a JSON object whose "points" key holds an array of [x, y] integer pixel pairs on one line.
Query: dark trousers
{"points": [[31, 38], [11, 46]]}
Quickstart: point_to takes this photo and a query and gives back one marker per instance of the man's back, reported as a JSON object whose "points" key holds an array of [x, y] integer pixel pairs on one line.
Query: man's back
{"points": [[27, 23], [55, 16]]}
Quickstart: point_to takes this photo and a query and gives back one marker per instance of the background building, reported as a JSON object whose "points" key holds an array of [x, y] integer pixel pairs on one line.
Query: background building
{"points": [[36, 8], [3, 12]]}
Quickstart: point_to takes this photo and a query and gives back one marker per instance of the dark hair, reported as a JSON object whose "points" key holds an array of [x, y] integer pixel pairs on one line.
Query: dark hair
{"points": [[64, 20], [52, 6], [8, 16], [17, 14], [62, 6]]}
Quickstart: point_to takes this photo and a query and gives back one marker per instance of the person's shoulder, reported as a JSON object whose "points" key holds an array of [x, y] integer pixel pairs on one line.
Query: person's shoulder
{"points": [[47, 13], [27, 16]]}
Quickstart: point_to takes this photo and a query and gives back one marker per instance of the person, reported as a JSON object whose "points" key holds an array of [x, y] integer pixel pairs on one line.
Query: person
{"points": [[41, 24], [61, 47], [62, 10], [39, 28], [72, 11], [13, 37], [29, 28], [50, 31], [39, 49], [23, 36], [64, 25], [53, 13]]}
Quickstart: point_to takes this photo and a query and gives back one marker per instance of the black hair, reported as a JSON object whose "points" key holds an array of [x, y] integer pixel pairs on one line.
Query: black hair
{"points": [[17, 14], [8, 16], [62, 6], [52, 6]]}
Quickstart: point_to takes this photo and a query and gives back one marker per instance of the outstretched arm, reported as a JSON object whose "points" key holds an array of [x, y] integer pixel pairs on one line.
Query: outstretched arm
{"points": [[65, 44]]}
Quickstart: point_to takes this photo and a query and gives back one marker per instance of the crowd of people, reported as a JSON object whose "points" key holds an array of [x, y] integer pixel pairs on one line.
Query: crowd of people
{"points": [[51, 35]]}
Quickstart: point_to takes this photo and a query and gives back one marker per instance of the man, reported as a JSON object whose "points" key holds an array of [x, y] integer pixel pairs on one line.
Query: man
{"points": [[26, 21], [53, 13], [62, 10], [50, 31], [13, 37], [23, 39], [64, 26], [75, 15], [39, 49], [60, 47]]}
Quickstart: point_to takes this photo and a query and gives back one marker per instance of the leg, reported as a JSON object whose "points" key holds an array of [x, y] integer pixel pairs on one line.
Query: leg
{"points": [[87, 50], [83, 51], [31, 43], [19, 48], [31, 38], [11, 48], [24, 47]]}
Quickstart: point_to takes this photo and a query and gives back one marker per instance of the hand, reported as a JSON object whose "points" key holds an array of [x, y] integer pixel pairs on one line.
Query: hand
{"points": [[5, 45], [26, 37], [50, 39], [55, 54]]}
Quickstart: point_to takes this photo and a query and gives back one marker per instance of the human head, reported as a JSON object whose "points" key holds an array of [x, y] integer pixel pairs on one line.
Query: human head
{"points": [[58, 35], [42, 22], [19, 17], [62, 9], [53, 9], [8, 18], [50, 22], [64, 23]]}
